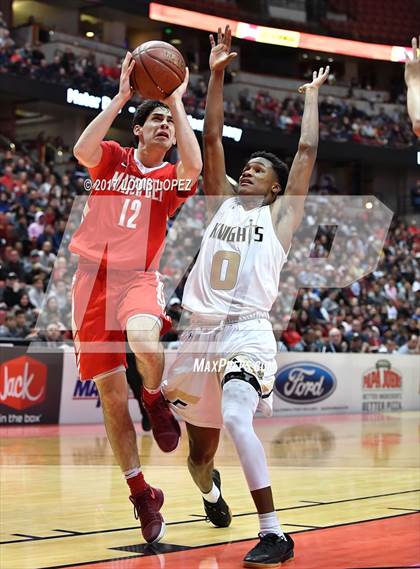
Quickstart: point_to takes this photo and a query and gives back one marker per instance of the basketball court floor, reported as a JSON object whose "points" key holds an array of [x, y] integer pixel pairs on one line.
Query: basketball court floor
{"points": [[346, 487]]}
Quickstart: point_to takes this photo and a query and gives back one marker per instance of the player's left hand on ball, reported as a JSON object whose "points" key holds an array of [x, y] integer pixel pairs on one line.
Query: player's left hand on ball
{"points": [[412, 64], [318, 78], [125, 90], [179, 91]]}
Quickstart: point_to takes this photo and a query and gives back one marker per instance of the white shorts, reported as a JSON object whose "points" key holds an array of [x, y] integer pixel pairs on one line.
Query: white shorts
{"points": [[193, 382]]}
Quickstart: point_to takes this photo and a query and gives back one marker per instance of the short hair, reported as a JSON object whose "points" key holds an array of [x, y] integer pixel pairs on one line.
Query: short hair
{"points": [[280, 168], [143, 111]]}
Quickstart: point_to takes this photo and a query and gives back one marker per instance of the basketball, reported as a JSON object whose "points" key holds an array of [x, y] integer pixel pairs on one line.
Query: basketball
{"points": [[159, 69]]}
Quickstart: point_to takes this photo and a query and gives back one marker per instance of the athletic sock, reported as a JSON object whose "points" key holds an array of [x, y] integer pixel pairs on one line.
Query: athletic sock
{"points": [[150, 395], [135, 479], [213, 495], [270, 524]]}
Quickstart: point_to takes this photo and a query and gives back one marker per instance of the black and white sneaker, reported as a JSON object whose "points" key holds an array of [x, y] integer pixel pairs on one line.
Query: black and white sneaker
{"points": [[271, 551], [218, 513]]}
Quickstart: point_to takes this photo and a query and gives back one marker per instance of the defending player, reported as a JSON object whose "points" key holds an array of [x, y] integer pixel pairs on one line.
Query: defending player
{"points": [[230, 291], [412, 79], [117, 287]]}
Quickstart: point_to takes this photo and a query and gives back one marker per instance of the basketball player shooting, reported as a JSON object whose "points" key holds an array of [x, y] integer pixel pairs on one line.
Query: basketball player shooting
{"points": [[412, 80], [230, 292], [117, 289]]}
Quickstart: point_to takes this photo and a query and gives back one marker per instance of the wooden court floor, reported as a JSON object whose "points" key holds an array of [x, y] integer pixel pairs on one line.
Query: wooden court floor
{"points": [[346, 487]]}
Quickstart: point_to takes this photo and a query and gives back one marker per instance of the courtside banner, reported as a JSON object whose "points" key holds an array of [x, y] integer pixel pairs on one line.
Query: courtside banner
{"points": [[306, 384], [314, 383], [30, 386], [79, 399]]}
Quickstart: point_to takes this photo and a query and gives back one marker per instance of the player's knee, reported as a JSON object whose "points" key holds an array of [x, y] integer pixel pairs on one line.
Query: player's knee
{"points": [[112, 395], [239, 401], [143, 341], [232, 419]]}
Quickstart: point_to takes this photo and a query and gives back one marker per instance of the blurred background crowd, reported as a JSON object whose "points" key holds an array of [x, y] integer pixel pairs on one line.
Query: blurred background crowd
{"points": [[341, 120], [379, 313], [39, 178]]}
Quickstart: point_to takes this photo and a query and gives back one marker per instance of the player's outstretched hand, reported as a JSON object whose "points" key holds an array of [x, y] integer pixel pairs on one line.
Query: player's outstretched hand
{"points": [[318, 78], [125, 91], [412, 64], [220, 55]]}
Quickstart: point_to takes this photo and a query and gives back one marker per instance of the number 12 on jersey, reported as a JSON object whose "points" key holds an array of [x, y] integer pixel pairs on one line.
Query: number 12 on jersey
{"points": [[133, 207]]}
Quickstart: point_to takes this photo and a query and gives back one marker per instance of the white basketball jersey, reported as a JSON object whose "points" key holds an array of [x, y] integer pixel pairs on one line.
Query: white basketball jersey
{"points": [[238, 268]]}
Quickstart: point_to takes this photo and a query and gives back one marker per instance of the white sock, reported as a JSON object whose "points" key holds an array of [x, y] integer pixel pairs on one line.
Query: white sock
{"points": [[131, 473], [213, 495], [270, 524]]}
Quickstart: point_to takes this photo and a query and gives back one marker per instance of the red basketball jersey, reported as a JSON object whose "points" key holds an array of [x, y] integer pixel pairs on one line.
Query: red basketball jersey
{"points": [[125, 216]]}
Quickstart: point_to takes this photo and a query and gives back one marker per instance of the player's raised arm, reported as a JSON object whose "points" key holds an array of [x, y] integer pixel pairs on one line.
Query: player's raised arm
{"points": [[214, 158], [412, 80], [190, 164], [88, 149], [304, 161]]}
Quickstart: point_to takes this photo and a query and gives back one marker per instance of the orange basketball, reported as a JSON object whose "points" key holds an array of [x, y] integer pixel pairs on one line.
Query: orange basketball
{"points": [[159, 69]]}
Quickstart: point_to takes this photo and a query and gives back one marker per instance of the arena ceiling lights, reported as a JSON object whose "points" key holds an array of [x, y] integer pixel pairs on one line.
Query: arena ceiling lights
{"points": [[276, 36]]}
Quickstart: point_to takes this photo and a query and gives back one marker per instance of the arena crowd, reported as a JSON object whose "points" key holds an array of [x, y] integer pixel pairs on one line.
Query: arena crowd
{"points": [[340, 119], [379, 313]]}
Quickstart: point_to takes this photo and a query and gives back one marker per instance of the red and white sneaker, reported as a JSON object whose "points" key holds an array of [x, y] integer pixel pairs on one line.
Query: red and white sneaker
{"points": [[165, 427], [146, 509]]}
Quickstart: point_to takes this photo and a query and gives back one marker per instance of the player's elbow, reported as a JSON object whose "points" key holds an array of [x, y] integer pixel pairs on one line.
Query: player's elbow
{"points": [[85, 155], [211, 136], [193, 170], [307, 147], [416, 127], [79, 152]]}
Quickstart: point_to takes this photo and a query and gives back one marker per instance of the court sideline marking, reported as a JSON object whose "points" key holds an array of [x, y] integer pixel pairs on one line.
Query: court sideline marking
{"points": [[71, 533]]}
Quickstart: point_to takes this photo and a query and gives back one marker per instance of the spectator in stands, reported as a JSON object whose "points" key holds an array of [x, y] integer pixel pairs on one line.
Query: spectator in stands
{"points": [[37, 227], [412, 346], [12, 291], [22, 328], [335, 342], [26, 305], [389, 347], [52, 337], [47, 257], [357, 344], [291, 336], [14, 264], [36, 293], [9, 328], [308, 343]]}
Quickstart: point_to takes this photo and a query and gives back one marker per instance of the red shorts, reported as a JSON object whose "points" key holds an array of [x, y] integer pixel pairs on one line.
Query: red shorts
{"points": [[102, 302]]}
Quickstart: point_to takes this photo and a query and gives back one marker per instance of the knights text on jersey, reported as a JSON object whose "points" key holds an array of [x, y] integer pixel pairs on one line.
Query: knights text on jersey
{"points": [[238, 268], [125, 216]]}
